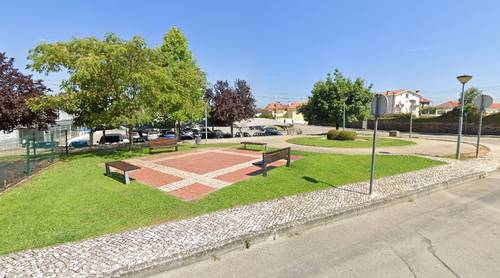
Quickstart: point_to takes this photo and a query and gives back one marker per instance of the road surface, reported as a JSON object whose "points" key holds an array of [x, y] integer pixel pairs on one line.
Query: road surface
{"points": [[451, 233]]}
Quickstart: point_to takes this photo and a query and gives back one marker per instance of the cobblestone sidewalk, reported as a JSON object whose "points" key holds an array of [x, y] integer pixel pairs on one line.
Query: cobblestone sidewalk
{"points": [[121, 253]]}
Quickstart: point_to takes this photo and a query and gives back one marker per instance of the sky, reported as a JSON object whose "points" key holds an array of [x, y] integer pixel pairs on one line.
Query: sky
{"points": [[283, 47]]}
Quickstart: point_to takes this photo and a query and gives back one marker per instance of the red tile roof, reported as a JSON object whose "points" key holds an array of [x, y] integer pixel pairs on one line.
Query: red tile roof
{"points": [[448, 104], [425, 100], [494, 106], [279, 106], [394, 93], [275, 106]]}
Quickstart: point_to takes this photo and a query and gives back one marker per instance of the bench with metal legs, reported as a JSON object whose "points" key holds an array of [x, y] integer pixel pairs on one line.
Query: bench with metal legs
{"points": [[123, 166]]}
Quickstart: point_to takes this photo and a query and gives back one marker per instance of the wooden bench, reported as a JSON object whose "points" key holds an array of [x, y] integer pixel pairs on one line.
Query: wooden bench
{"points": [[272, 156], [123, 166], [163, 143], [254, 143]]}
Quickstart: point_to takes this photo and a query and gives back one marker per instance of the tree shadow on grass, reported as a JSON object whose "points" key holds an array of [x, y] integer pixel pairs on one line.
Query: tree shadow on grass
{"points": [[339, 187]]}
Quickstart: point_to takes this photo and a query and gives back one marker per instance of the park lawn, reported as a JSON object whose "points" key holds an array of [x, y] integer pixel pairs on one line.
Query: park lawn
{"points": [[360, 142], [73, 200]]}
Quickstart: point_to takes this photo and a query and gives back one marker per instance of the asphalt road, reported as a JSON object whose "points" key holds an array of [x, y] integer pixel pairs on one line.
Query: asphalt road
{"points": [[452, 233]]}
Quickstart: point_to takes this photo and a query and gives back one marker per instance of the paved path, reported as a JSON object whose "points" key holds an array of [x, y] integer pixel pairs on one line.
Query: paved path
{"points": [[423, 147], [452, 233]]}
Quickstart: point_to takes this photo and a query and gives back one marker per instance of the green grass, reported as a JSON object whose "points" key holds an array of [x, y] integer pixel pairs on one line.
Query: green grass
{"points": [[73, 199], [360, 142]]}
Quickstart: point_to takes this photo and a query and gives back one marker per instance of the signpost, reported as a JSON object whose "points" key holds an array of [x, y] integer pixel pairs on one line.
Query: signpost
{"points": [[482, 102], [379, 108]]}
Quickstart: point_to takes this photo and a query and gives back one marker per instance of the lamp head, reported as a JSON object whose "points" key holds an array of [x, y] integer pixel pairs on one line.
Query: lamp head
{"points": [[464, 78]]}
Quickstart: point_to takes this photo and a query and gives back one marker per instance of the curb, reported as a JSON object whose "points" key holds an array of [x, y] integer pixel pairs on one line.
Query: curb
{"points": [[245, 242]]}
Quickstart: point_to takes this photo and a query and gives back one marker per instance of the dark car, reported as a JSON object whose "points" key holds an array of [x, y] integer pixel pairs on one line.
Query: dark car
{"points": [[242, 134], [188, 134], [79, 143], [166, 133], [210, 134], [112, 139], [269, 131], [222, 134]]}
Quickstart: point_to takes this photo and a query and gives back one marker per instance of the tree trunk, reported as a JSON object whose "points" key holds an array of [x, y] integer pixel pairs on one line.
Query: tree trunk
{"points": [[178, 130], [91, 137], [232, 131], [130, 140], [337, 125]]}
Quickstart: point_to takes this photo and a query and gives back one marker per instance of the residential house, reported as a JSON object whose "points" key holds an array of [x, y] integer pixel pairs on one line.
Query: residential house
{"points": [[449, 105], [446, 107], [400, 101], [286, 113]]}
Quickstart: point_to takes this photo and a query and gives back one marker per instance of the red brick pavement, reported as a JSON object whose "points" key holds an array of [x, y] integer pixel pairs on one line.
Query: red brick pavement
{"points": [[199, 163], [153, 177], [192, 191], [204, 163]]}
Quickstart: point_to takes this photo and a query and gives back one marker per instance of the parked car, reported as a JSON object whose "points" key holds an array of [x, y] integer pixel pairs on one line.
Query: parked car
{"points": [[209, 133], [187, 134], [167, 133], [138, 137], [152, 135], [113, 138], [259, 133], [81, 143], [222, 134], [242, 134], [271, 131]]}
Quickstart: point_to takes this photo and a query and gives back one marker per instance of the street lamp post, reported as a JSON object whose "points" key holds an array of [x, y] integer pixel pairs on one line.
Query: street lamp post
{"points": [[462, 79], [412, 103], [206, 123]]}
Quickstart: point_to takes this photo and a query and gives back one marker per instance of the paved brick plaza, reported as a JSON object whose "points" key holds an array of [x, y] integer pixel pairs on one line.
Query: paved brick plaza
{"points": [[193, 175]]}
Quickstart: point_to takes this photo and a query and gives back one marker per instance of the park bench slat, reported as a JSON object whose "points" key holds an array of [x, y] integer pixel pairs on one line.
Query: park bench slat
{"points": [[122, 165], [245, 143], [272, 156], [163, 143], [125, 167]]}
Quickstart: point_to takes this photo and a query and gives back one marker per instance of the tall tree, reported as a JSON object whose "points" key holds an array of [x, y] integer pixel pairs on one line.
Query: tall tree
{"points": [[328, 97], [230, 104], [181, 97], [109, 80], [15, 90], [470, 110]]}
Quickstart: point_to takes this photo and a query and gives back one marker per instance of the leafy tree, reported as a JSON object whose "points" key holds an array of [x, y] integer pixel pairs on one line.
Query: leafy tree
{"points": [[470, 95], [328, 97], [110, 81], [15, 90], [266, 115], [181, 97], [230, 104]]}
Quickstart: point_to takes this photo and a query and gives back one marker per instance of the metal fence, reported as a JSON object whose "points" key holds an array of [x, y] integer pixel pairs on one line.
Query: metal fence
{"points": [[31, 155]]}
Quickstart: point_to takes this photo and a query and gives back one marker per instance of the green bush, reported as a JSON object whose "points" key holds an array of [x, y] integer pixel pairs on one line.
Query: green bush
{"points": [[347, 135], [332, 134]]}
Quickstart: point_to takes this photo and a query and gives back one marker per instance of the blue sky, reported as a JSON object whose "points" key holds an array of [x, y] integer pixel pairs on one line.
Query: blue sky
{"points": [[282, 47]]}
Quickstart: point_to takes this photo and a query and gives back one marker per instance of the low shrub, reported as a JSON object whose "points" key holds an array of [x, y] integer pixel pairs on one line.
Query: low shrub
{"points": [[332, 134], [346, 135]]}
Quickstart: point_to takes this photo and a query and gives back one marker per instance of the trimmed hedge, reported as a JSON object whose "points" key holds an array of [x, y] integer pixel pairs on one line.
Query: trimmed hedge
{"points": [[347, 135], [332, 134]]}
